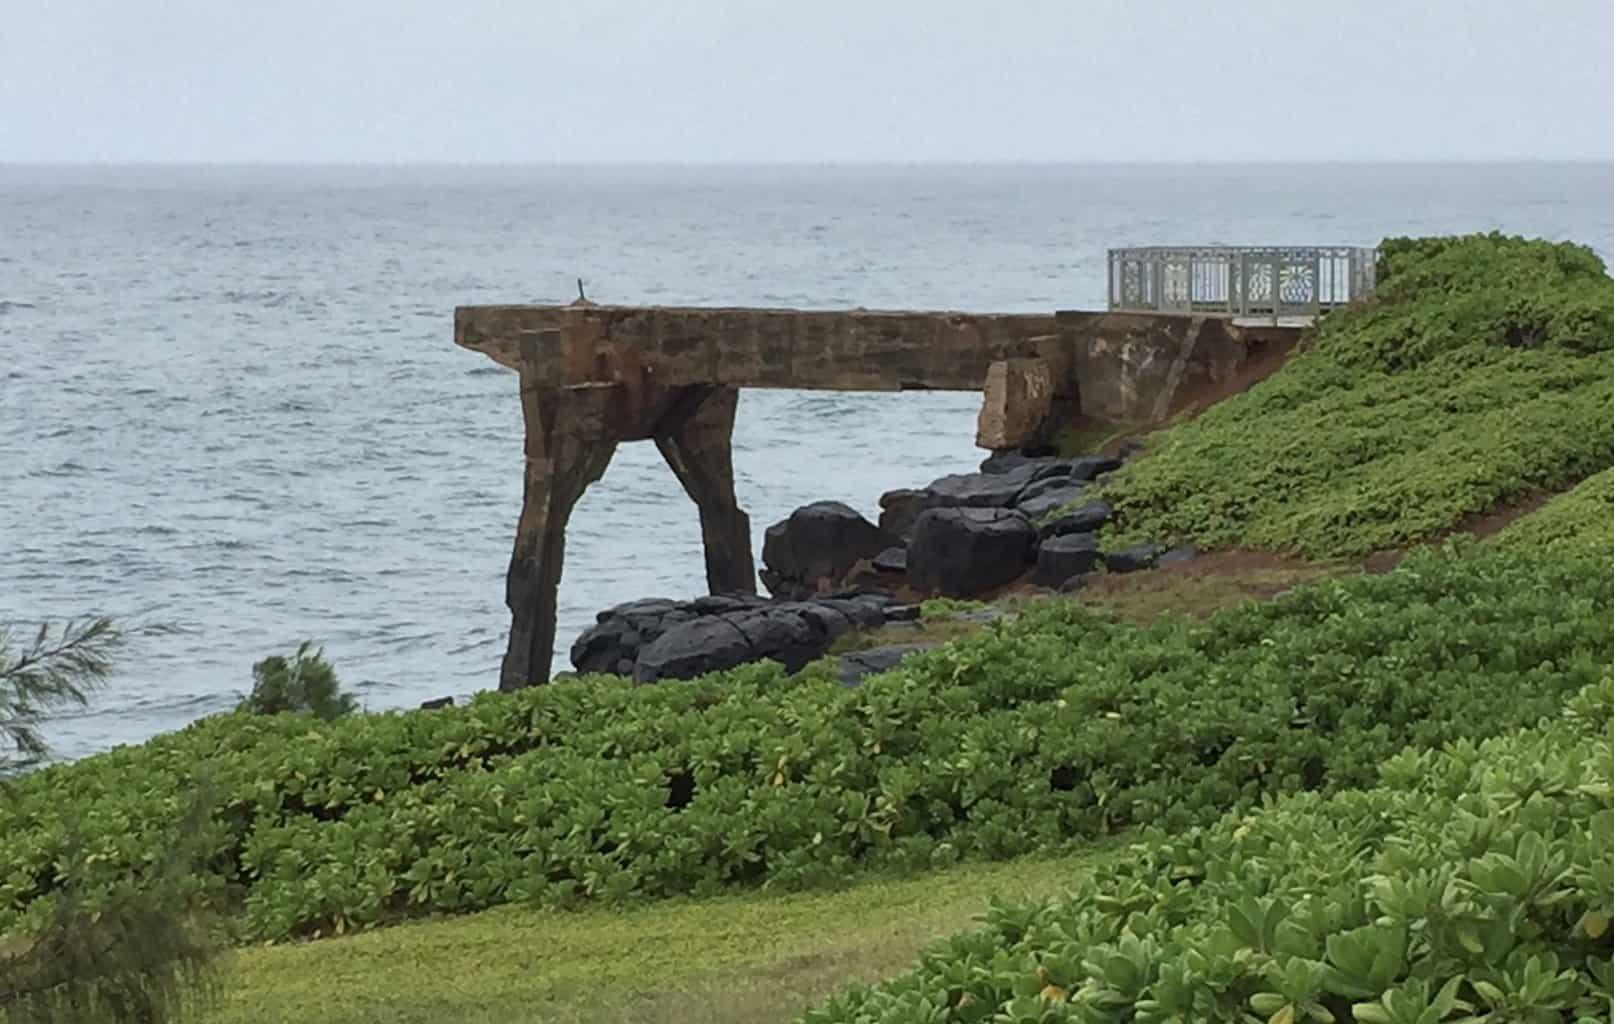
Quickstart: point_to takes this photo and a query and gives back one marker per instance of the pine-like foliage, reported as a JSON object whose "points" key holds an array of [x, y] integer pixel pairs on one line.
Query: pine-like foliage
{"points": [[304, 682], [138, 956], [58, 668], [132, 954]]}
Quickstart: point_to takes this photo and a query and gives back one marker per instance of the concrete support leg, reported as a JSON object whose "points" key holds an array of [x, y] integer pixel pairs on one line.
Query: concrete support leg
{"points": [[563, 456], [696, 439]]}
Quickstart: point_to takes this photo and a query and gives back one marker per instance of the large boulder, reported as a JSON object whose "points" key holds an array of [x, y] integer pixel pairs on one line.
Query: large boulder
{"points": [[1091, 467], [1134, 558], [707, 644], [1046, 497], [1084, 518], [813, 550], [962, 552], [998, 488], [613, 643], [899, 509], [853, 668], [1061, 558]]}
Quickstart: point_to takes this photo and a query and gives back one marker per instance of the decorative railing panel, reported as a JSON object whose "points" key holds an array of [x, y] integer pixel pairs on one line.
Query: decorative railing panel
{"points": [[1240, 280]]}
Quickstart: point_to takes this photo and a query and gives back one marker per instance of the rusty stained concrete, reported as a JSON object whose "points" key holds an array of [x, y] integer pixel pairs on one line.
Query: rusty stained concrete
{"points": [[593, 376]]}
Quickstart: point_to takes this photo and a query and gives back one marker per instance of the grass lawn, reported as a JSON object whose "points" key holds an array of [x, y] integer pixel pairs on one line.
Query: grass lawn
{"points": [[758, 957]]}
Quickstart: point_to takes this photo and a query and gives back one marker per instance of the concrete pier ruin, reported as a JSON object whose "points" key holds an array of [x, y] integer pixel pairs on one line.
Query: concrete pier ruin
{"points": [[595, 376]]}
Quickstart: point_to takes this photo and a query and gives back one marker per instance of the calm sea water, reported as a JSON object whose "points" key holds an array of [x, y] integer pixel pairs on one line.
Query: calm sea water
{"points": [[231, 408]]}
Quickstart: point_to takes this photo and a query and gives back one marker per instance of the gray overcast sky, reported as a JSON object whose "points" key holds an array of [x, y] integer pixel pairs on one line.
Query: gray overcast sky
{"points": [[813, 80]]}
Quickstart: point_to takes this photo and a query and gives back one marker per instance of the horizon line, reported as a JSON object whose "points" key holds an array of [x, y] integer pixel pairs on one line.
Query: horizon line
{"points": [[821, 163]]}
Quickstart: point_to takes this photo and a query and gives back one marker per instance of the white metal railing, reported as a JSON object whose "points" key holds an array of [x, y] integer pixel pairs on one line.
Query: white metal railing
{"points": [[1253, 281]]}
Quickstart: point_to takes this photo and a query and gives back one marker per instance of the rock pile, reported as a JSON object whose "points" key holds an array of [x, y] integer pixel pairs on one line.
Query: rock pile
{"points": [[658, 639], [962, 535]]}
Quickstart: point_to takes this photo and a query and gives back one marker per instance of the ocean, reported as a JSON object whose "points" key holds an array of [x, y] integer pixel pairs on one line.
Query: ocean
{"points": [[232, 412]]}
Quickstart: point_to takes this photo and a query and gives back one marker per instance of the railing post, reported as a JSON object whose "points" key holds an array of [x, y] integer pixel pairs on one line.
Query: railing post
{"points": [[1316, 284]]}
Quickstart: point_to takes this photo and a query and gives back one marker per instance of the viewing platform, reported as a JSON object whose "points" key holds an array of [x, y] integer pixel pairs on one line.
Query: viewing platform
{"points": [[1267, 284]]}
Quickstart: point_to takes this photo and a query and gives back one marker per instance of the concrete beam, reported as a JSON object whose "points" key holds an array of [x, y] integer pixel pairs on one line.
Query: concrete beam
{"points": [[854, 350]]}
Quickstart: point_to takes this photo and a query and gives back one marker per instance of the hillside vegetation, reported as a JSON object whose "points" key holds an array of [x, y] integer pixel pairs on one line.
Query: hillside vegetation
{"points": [[1473, 884], [1482, 373], [1054, 726], [1580, 520]]}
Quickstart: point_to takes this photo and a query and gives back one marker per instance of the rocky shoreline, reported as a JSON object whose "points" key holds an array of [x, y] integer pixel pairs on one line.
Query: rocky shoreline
{"points": [[1022, 520]]}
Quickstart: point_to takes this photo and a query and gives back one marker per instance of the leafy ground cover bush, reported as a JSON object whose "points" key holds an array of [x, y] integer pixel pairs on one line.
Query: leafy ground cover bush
{"points": [[1482, 372], [1051, 727], [1579, 521], [1472, 884]]}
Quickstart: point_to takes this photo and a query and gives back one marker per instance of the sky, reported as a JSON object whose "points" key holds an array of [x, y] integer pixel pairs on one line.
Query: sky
{"points": [[484, 81]]}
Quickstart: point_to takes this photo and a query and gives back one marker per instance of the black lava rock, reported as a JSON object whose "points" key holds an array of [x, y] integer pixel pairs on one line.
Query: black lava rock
{"points": [[891, 560], [1060, 558], [1178, 554], [1084, 518], [1134, 558], [1089, 467], [1046, 497], [813, 550], [855, 667], [962, 552]]}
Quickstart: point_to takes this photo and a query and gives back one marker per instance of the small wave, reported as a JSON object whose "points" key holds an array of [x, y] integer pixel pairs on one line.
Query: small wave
{"points": [[159, 627], [326, 574], [264, 297], [7, 305], [185, 702], [68, 468], [475, 645], [485, 371]]}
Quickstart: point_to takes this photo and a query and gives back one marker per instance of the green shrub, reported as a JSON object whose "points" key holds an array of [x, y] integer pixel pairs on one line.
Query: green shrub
{"points": [[1579, 522], [304, 683], [947, 607], [129, 948], [1483, 372], [1054, 726], [1476, 883]]}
